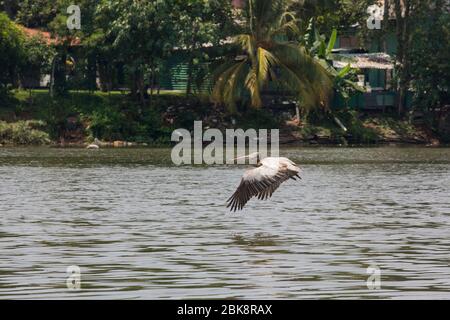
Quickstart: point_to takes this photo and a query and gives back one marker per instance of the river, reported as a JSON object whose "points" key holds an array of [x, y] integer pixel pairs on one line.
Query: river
{"points": [[141, 228]]}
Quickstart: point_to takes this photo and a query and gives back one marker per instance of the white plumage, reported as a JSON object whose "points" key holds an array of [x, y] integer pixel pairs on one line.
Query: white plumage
{"points": [[262, 181]]}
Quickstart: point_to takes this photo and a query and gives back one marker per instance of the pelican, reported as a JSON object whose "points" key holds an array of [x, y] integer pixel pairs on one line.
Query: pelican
{"points": [[93, 146], [263, 180]]}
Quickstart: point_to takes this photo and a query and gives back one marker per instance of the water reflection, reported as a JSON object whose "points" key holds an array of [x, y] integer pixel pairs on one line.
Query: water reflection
{"points": [[141, 228]]}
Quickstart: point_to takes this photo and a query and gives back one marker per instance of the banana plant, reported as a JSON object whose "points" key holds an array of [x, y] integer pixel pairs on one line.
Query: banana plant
{"points": [[345, 82], [321, 49], [345, 79]]}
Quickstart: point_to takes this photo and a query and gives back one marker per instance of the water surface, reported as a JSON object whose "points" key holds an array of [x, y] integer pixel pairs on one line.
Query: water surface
{"points": [[141, 228]]}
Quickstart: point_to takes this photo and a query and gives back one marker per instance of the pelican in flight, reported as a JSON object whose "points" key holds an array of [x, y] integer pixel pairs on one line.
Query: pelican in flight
{"points": [[263, 180]]}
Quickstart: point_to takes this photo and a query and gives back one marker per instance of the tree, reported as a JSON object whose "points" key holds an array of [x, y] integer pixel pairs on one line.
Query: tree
{"points": [[142, 33], [403, 10], [428, 57], [419, 53], [265, 53], [10, 7], [38, 56], [331, 14], [100, 50], [36, 13], [200, 23], [64, 63], [11, 52]]}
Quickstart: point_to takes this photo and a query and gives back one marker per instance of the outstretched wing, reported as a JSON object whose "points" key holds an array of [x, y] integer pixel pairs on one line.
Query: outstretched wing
{"points": [[262, 182]]}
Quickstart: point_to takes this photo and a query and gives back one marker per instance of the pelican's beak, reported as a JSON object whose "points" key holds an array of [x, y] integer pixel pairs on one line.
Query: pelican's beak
{"points": [[240, 158]]}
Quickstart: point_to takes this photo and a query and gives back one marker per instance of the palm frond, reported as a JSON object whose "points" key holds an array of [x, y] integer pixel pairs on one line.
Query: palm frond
{"points": [[307, 75], [222, 80], [266, 61], [252, 85], [246, 42], [229, 83], [287, 23], [234, 88], [269, 58]]}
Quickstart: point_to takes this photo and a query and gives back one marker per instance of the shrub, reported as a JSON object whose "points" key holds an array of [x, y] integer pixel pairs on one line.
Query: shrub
{"points": [[23, 133]]}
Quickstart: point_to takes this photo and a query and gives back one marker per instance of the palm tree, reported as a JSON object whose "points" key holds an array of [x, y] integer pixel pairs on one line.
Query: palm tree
{"points": [[265, 54]]}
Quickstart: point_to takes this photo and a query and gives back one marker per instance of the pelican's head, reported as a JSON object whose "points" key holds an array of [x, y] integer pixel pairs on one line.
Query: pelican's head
{"points": [[253, 158]]}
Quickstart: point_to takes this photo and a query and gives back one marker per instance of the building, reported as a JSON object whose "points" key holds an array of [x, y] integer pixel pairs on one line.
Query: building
{"points": [[376, 63]]}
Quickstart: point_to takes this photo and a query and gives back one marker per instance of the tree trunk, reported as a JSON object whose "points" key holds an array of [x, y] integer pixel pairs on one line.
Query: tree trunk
{"points": [[385, 24], [140, 86], [59, 82], [105, 77], [52, 77], [400, 63], [133, 88], [152, 83], [91, 72]]}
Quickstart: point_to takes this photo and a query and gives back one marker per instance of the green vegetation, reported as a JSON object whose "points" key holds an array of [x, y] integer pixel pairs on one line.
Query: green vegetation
{"points": [[344, 80], [117, 116], [11, 53], [429, 66], [322, 125], [361, 129], [268, 26], [23, 133], [106, 77], [108, 116]]}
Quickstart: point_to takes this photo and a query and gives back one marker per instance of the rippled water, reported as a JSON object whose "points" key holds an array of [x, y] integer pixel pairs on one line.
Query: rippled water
{"points": [[141, 228]]}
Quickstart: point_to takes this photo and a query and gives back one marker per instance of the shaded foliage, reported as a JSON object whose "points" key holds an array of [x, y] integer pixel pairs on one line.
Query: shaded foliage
{"points": [[11, 52]]}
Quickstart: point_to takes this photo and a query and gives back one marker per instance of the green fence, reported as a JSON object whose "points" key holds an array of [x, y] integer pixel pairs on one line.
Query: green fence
{"points": [[175, 73]]}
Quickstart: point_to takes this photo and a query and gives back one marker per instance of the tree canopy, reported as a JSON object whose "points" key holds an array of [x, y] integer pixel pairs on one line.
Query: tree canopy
{"points": [[11, 50], [270, 44]]}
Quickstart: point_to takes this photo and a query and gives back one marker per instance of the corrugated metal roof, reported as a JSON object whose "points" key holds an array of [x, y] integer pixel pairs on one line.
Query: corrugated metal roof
{"points": [[379, 60]]}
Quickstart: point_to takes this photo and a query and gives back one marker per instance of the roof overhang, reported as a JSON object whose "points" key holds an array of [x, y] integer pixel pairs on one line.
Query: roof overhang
{"points": [[379, 60]]}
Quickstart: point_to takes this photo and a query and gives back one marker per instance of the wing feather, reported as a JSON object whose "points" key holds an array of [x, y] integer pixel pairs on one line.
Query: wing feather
{"points": [[262, 181]]}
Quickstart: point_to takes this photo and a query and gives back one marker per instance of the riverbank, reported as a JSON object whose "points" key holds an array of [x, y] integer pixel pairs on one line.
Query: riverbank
{"points": [[351, 127], [116, 120]]}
